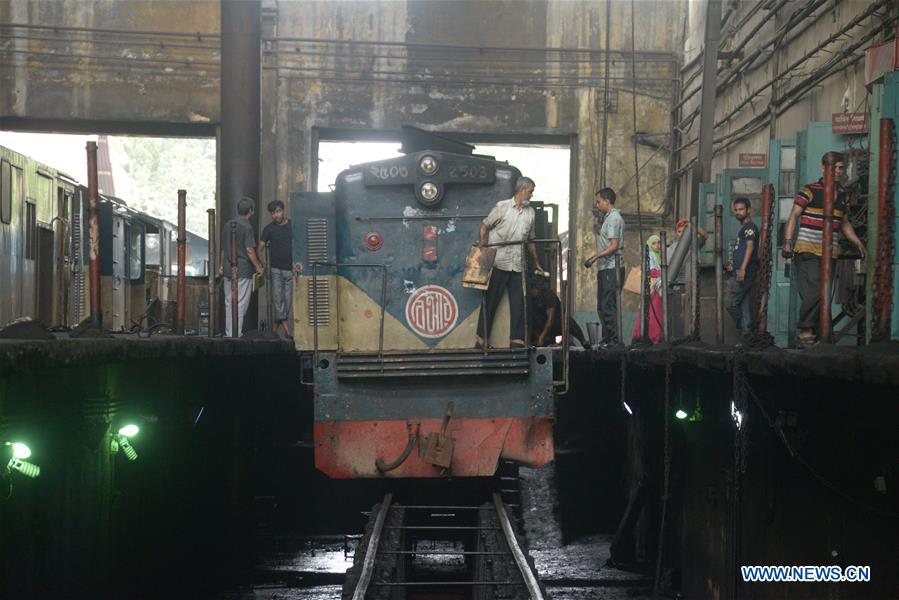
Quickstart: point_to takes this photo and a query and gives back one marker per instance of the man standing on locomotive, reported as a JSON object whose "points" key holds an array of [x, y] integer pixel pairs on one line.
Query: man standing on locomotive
{"points": [[511, 221], [247, 263], [277, 236]]}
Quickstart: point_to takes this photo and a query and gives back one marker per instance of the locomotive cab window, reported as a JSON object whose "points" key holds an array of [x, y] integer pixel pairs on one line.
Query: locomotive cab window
{"points": [[5, 192], [136, 252], [152, 245]]}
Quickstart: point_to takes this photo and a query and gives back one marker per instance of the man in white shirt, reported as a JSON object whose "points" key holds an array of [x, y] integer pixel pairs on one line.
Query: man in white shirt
{"points": [[510, 220]]}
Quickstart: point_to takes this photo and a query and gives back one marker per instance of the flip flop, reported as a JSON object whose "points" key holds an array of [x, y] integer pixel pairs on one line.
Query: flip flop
{"points": [[806, 342]]}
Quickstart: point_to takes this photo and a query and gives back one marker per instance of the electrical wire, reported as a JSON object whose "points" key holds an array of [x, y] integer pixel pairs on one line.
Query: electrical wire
{"points": [[634, 111], [468, 48], [440, 57], [605, 101], [792, 96], [198, 35], [108, 42], [794, 454], [523, 84], [98, 57], [505, 75]]}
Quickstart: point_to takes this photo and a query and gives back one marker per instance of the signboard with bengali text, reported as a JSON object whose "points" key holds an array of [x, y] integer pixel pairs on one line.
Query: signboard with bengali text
{"points": [[753, 161], [850, 123]]}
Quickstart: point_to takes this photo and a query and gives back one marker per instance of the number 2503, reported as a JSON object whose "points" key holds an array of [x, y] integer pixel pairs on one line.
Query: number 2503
{"points": [[468, 172]]}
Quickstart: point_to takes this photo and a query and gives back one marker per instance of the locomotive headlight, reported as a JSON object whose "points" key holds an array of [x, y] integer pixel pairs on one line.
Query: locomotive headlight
{"points": [[428, 191], [428, 165]]}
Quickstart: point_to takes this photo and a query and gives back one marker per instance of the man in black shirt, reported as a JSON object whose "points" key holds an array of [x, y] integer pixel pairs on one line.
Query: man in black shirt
{"points": [[744, 265], [278, 236], [545, 316]]}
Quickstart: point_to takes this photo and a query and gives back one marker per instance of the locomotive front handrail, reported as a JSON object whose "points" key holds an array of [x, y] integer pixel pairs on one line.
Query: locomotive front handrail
{"points": [[338, 266], [565, 300]]}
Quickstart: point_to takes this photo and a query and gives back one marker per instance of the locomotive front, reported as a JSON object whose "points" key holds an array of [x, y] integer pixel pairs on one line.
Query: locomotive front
{"points": [[380, 308]]}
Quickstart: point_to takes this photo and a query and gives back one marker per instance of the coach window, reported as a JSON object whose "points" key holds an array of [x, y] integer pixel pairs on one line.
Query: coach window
{"points": [[44, 200], [5, 192]]}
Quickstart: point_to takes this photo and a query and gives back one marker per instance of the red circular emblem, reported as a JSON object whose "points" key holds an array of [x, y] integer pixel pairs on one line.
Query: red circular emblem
{"points": [[431, 311]]}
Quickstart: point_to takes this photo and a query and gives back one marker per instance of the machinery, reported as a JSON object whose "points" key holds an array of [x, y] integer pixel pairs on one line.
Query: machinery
{"points": [[388, 329]]}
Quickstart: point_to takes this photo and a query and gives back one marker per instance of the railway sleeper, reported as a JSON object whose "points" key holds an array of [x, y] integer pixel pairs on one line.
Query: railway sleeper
{"points": [[478, 561]]}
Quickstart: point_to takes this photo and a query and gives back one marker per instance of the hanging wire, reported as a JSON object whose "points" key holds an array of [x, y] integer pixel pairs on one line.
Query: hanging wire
{"points": [[666, 474], [741, 382], [605, 100], [634, 110]]}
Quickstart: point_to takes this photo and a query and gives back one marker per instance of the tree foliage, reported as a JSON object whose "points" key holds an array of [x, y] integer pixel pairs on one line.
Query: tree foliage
{"points": [[150, 171]]}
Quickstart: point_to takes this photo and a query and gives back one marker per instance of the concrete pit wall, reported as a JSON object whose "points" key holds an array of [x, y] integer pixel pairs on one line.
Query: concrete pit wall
{"points": [[744, 496], [173, 522]]}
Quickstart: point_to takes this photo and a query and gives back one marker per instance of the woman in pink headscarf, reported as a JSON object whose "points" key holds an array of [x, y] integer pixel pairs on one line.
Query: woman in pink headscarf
{"points": [[653, 244]]}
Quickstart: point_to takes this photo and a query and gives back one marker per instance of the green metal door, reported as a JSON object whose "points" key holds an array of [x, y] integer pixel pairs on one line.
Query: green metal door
{"points": [[733, 183], [706, 220], [782, 306]]}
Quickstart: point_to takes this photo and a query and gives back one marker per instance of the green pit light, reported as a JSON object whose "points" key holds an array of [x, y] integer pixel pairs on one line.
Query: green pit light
{"points": [[681, 414], [129, 430], [19, 450]]}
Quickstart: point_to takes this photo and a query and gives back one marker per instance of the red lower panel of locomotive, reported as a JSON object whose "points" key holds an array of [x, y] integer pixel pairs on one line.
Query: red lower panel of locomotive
{"points": [[429, 448]]}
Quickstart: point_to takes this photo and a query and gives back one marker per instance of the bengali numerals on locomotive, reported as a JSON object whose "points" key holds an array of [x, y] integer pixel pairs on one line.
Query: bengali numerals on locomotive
{"points": [[387, 173]]}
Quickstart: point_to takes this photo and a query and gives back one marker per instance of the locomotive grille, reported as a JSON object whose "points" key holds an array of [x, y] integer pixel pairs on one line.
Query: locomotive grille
{"points": [[318, 296]]}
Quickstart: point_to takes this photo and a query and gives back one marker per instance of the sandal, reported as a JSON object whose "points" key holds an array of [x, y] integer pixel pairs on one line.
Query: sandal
{"points": [[807, 341], [517, 345]]}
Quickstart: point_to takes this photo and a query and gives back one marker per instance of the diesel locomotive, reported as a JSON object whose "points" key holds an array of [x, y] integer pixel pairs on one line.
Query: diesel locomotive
{"points": [[388, 328]]}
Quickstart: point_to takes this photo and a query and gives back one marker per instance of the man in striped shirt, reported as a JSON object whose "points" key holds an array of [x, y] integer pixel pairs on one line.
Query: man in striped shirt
{"points": [[808, 209]]}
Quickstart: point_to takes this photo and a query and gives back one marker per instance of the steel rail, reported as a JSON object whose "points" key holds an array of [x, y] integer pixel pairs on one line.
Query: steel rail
{"points": [[530, 581], [372, 550], [527, 580], [442, 583]]}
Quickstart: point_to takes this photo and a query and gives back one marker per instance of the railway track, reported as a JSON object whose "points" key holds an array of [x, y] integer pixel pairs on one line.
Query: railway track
{"points": [[412, 552]]}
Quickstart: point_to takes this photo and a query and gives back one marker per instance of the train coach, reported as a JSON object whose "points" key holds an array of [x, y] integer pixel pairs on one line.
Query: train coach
{"points": [[388, 328], [44, 242]]}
